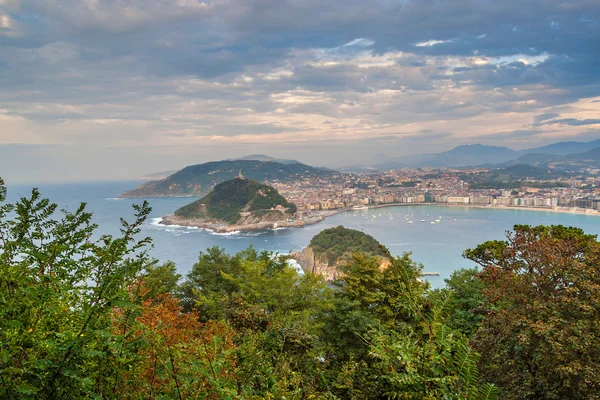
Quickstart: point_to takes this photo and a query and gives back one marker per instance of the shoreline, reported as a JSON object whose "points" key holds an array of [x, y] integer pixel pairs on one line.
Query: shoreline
{"points": [[171, 220], [558, 210]]}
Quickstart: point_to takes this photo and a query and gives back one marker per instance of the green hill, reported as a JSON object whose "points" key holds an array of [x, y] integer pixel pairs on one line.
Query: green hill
{"points": [[336, 244], [511, 177], [198, 180], [230, 198]]}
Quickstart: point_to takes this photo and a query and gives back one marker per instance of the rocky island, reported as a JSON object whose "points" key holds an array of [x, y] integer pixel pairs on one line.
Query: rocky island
{"points": [[239, 204], [334, 247]]}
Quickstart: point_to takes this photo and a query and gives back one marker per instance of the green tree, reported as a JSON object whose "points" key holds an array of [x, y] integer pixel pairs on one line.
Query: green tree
{"points": [[58, 286], [467, 300], [540, 337], [161, 279]]}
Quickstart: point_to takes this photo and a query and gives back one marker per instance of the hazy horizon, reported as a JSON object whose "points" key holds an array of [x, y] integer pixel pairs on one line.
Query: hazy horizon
{"points": [[114, 90]]}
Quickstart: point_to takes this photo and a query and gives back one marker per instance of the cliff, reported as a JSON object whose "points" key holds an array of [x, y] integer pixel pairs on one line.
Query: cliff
{"points": [[334, 247]]}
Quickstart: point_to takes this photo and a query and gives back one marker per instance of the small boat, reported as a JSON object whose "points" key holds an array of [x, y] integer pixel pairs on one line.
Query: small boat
{"points": [[437, 220], [432, 222], [410, 222], [422, 220]]}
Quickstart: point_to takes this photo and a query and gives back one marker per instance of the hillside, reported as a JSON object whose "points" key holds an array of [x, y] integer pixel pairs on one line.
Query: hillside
{"points": [[262, 157], [198, 180], [239, 201], [333, 247], [512, 177]]}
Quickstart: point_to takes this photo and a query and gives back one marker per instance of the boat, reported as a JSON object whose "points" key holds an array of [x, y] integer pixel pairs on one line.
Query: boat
{"points": [[422, 220], [410, 222], [432, 222]]}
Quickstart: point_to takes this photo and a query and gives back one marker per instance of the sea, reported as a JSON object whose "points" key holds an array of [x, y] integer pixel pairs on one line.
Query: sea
{"points": [[438, 246]]}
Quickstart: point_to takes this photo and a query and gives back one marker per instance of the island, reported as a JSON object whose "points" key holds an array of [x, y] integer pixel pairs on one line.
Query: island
{"points": [[239, 205], [334, 247]]}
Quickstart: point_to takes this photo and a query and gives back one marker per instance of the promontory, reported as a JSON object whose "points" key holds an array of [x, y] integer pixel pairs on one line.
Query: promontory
{"points": [[334, 247], [239, 204]]}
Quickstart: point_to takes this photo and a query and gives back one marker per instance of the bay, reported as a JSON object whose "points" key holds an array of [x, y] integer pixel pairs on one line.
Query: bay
{"points": [[437, 246]]}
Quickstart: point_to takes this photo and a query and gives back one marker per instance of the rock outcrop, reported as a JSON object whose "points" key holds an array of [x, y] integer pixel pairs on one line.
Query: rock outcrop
{"points": [[319, 260]]}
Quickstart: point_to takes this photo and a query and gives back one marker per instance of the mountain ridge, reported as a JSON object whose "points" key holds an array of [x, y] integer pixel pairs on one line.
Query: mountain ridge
{"points": [[199, 179]]}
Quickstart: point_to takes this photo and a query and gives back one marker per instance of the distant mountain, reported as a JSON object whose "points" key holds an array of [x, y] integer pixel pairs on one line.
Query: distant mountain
{"points": [[156, 175], [591, 157], [534, 159], [262, 157], [565, 148], [483, 155], [473, 154], [198, 180]]}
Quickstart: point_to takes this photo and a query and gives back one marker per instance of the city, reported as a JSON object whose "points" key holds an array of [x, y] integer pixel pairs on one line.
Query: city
{"points": [[579, 194]]}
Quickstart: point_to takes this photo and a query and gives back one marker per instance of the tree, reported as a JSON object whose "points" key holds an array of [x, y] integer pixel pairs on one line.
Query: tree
{"points": [[540, 337], [466, 300], [58, 286]]}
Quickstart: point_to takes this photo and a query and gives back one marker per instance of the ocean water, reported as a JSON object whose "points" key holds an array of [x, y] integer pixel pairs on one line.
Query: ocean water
{"points": [[437, 246]]}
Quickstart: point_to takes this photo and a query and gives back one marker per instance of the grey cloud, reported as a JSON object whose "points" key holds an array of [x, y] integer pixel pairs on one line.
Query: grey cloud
{"points": [[138, 70], [573, 121]]}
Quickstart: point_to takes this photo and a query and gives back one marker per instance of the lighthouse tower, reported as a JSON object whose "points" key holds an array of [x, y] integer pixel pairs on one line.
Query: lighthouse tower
{"points": [[239, 175]]}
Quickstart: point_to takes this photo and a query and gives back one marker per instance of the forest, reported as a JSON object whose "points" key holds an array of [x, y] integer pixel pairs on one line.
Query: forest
{"points": [[340, 243], [84, 315], [228, 198]]}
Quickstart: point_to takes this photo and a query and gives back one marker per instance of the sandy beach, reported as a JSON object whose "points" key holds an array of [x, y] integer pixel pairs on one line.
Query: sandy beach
{"points": [[563, 210]]}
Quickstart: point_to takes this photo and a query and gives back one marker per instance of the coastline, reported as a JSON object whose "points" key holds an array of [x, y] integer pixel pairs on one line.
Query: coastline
{"points": [[171, 220], [559, 210]]}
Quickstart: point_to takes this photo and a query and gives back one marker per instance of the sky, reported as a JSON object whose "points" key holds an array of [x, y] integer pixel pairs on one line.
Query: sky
{"points": [[115, 89]]}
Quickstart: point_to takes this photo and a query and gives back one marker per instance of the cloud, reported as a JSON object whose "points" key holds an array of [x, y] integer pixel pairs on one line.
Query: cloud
{"points": [[572, 121], [294, 75], [430, 43]]}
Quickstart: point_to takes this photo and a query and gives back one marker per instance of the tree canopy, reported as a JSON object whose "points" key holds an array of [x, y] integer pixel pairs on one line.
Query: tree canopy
{"points": [[89, 316]]}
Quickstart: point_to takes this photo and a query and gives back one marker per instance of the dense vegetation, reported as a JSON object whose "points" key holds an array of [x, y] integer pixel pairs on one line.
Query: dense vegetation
{"points": [[95, 317], [198, 180], [511, 178], [339, 243], [229, 198]]}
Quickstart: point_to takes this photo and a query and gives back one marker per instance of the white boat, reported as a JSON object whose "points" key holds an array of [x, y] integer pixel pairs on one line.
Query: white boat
{"points": [[432, 222], [422, 220], [437, 220], [410, 222]]}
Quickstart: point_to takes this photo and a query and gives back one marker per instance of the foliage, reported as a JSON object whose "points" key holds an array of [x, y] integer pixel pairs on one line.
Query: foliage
{"points": [[83, 316], [539, 336], [160, 279], [198, 180], [58, 286], [228, 199], [466, 300], [338, 243], [177, 357], [512, 177]]}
